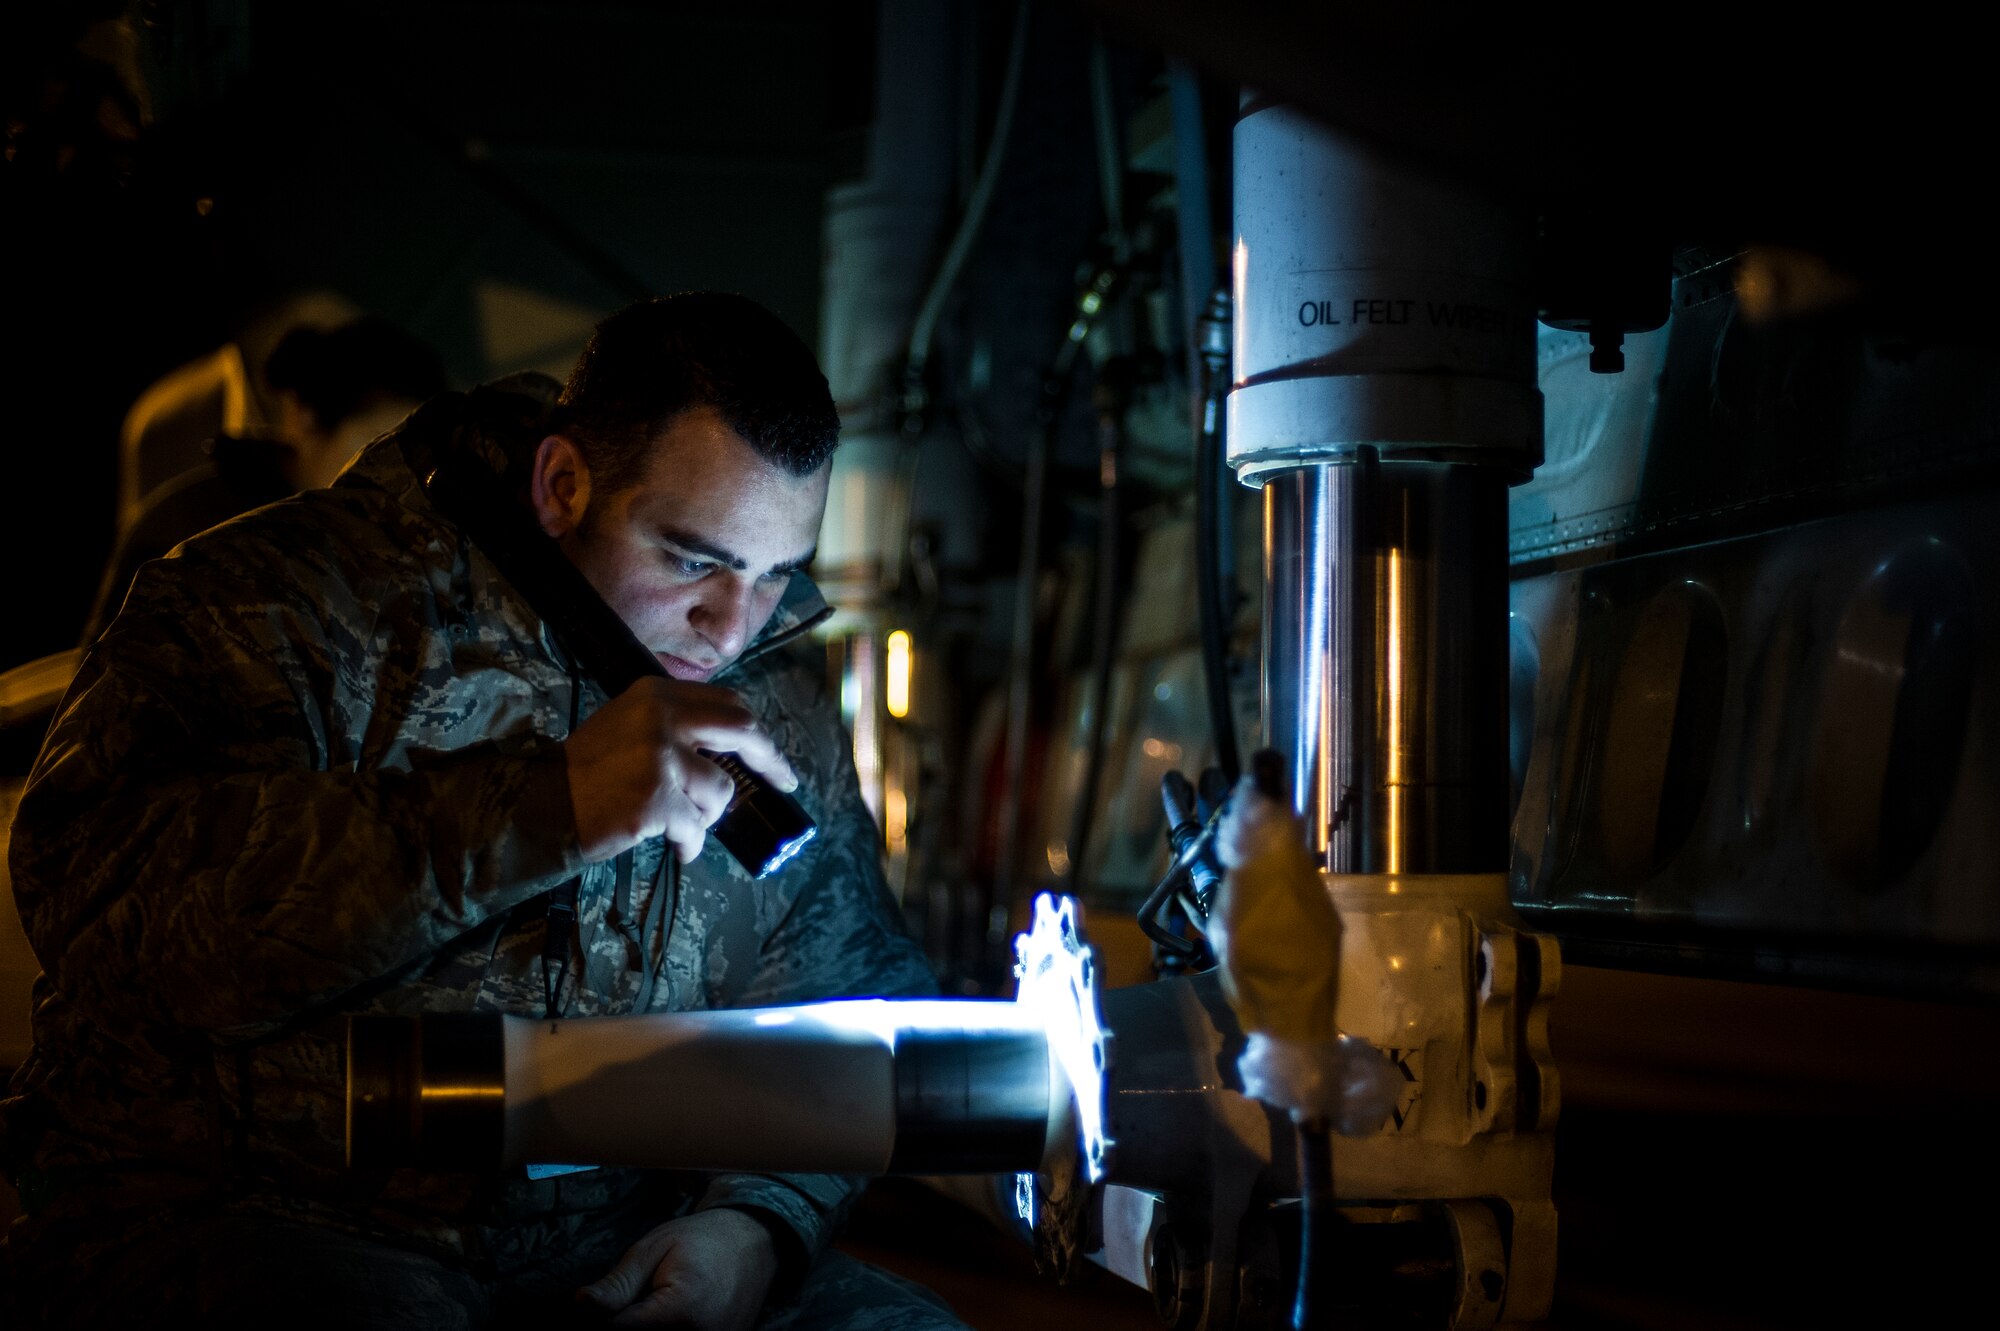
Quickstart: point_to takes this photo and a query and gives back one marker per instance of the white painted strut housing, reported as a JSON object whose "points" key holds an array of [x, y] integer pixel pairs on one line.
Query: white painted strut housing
{"points": [[1375, 306]]}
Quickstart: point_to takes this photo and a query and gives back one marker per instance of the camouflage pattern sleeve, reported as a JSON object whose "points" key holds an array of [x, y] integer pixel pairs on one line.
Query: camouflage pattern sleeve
{"points": [[198, 842], [842, 937]]}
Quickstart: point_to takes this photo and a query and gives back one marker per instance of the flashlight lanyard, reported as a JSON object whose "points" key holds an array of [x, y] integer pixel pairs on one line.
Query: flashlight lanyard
{"points": [[559, 925], [556, 946], [560, 938]]}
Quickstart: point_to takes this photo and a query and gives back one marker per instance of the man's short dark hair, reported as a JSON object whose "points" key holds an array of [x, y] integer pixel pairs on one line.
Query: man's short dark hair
{"points": [[653, 360]]}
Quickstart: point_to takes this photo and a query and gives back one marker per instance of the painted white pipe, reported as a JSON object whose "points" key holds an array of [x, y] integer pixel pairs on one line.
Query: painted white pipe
{"points": [[778, 1090], [868, 1086]]}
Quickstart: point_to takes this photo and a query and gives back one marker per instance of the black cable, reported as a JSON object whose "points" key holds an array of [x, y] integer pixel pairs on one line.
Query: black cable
{"points": [[1090, 301], [1213, 605], [1112, 395], [1312, 1308], [1188, 814], [1189, 840], [1149, 911], [1195, 243]]}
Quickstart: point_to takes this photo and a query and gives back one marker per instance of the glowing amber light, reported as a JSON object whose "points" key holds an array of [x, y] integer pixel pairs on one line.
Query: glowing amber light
{"points": [[896, 818], [899, 674]]}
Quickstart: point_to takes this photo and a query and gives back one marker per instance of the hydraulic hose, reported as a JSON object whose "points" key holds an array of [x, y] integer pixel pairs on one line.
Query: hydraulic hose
{"points": [[1112, 398], [1090, 303], [1311, 1308], [1214, 604]]}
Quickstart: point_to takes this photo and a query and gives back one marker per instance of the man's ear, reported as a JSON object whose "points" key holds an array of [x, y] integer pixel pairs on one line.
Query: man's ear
{"points": [[559, 486]]}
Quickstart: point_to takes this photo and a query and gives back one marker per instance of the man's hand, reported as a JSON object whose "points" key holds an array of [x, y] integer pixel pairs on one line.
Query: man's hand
{"points": [[635, 770], [709, 1270]]}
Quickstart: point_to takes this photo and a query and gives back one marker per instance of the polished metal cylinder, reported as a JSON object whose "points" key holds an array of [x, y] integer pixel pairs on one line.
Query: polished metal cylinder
{"points": [[969, 1103], [1383, 396], [1385, 661]]}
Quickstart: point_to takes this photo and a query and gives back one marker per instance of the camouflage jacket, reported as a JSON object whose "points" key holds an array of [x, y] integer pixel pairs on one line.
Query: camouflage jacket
{"points": [[312, 769]]}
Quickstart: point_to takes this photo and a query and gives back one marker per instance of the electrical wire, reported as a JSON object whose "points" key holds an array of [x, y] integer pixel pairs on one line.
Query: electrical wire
{"points": [[1311, 1308], [1205, 324], [1113, 395], [1090, 302], [1163, 891], [1104, 633], [924, 330]]}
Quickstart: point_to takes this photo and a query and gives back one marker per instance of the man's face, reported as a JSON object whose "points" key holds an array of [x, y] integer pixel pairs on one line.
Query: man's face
{"points": [[696, 554]]}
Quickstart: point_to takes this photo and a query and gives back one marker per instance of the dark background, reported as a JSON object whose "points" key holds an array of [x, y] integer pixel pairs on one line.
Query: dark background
{"points": [[496, 177]]}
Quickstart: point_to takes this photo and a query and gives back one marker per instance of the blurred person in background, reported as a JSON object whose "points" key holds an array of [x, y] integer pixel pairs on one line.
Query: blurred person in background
{"points": [[333, 390], [337, 390], [168, 429]]}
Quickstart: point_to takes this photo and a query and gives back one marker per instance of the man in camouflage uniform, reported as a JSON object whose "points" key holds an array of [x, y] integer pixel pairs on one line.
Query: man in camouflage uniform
{"points": [[326, 761]]}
